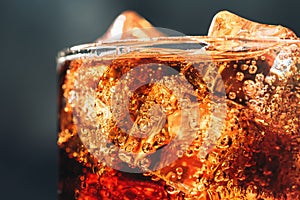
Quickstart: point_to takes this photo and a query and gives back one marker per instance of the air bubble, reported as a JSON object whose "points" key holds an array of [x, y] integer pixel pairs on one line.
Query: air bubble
{"points": [[239, 76], [179, 170], [252, 69], [180, 153], [259, 78], [232, 95], [225, 142], [147, 147], [249, 88], [197, 147], [189, 152], [244, 67], [171, 190], [82, 178]]}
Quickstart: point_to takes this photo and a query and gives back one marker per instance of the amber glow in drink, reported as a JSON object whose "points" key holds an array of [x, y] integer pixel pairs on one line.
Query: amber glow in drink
{"points": [[255, 154]]}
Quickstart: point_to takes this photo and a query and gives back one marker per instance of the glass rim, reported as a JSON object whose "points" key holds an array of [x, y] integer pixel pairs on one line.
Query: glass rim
{"points": [[87, 48]]}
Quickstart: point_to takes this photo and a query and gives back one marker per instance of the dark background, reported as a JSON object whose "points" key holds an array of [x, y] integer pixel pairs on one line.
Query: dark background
{"points": [[31, 34]]}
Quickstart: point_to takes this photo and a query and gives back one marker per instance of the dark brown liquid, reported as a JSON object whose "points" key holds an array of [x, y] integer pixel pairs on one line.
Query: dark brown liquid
{"points": [[257, 155]]}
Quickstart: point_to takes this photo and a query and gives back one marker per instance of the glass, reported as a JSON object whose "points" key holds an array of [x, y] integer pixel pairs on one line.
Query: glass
{"points": [[190, 117]]}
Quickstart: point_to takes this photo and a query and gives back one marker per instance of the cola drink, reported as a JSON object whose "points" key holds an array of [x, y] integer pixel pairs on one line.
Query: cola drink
{"points": [[181, 117]]}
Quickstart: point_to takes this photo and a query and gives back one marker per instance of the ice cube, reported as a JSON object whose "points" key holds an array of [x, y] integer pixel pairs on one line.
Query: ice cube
{"points": [[228, 24], [266, 81], [276, 93], [190, 171], [130, 25]]}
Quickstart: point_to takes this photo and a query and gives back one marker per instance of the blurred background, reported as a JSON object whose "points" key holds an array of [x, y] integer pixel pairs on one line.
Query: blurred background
{"points": [[33, 31]]}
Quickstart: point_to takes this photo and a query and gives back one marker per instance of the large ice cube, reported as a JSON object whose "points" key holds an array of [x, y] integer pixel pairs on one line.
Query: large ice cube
{"points": [[130, 25], [228, 24], [275, 98], [191, 172]]}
